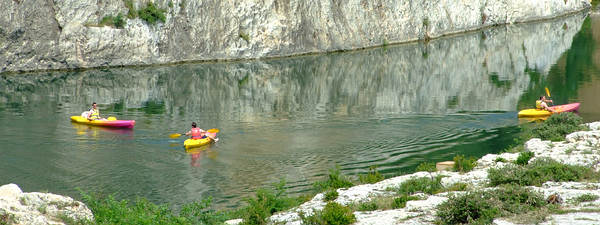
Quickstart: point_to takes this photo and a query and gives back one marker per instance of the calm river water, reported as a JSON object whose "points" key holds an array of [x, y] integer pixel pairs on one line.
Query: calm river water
{"points": [[291, 118]]}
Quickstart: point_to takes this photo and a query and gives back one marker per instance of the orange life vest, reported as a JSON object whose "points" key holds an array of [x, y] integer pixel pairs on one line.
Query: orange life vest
{"points": [[197, 133]]}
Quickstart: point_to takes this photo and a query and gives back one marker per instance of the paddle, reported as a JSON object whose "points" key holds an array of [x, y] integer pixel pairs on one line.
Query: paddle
{"points": [[548, 92], [176, 135]]}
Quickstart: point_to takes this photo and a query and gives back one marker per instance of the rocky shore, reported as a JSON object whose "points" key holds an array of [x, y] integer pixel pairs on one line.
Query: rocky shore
{"points": [[580, 148], [35, 208], [69, 34]]}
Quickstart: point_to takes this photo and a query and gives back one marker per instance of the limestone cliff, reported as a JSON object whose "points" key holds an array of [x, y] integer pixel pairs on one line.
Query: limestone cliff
{"points": [[63, 34]]}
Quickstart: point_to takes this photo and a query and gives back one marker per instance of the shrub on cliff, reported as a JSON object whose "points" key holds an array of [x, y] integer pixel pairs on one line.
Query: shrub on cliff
{"points": [[426, 167], [332, 214], [372, 177], [266, 203], [334, 180], [524, 158], [463, 164], [113, 21], [556, 127], [426, 185], [539, 171], [151, 14], [481, 207]]}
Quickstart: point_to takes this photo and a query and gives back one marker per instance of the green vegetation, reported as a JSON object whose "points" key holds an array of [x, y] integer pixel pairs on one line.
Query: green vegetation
{"points": [[500, 159], [170, 4], [372, 177], [481, 207], [539, 171], [110, 211], [151, 14], [332, 214], [131, 13], [426, 166], [266, 203], [113, 21], [587, 198], [524, 158], [556, 127], [463, 165], [334, 181], [423, 184], [331, 195], [244, 36], [7, 218]]}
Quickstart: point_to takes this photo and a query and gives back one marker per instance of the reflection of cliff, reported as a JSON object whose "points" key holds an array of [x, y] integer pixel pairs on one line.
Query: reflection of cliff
{"points": [[479, 71]]}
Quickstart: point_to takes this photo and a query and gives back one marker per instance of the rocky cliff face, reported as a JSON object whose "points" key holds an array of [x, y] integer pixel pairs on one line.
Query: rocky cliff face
{"points": [[482, 71], [63, 34]]}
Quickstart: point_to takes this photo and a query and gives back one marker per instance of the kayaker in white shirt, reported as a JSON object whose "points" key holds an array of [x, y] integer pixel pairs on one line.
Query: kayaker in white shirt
{"points": [[94, 113], [541, 104]]}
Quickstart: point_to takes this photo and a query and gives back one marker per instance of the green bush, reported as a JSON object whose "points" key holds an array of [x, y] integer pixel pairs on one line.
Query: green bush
{"points": [[556, 127], [331, 195], [132, 13], [332, 214], [151, 14], [462, 164], [524, 158], [113, 21], [367, 206], [372, 177], [587, 198], [500, 159], [481, 207], [426, 167], [266, 203], [424, 184], [400, 202], [335, 180], [539, 171], [108, 210]]}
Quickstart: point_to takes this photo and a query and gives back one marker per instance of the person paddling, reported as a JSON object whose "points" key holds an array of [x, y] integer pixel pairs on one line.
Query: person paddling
{"points": [[196, 132], [541, 104], [94, 113]]}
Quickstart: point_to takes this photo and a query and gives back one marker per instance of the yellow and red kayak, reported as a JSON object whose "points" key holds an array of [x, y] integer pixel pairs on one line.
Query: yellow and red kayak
{"points": [[111, 122], [557, 108], [193, 143]]}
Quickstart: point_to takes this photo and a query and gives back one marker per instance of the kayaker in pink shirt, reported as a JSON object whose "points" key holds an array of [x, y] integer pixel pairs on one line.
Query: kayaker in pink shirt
{"points": [[196, 132]]}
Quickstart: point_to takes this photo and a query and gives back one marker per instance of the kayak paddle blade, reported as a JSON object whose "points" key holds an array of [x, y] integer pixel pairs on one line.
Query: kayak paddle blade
{"points": [[548, 92], [214, 130], [175, 135]]}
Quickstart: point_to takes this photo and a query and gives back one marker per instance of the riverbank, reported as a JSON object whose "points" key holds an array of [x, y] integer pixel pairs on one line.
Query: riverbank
{"points": [[86, 34], [573, 200], [550, 182]]}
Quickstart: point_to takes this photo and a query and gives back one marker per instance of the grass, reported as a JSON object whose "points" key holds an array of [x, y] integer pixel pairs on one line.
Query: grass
{"points": [[586, 198], [266, 203], [463, 164], [426, 185], [539, 171], [481, 207], [131, 13], [331, 195], [500, 159], [7, 218], [113, 21], [372, 177], [108, 210], [332, 214], [426, 167], [524, 158], [334, 180]]}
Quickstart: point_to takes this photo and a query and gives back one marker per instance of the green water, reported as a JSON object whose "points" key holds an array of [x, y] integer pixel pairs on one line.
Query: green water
{"points": [[291, 118]]}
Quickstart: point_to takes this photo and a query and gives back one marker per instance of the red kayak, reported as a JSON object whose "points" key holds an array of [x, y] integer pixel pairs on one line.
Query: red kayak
{"points": [[557, 109]]}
